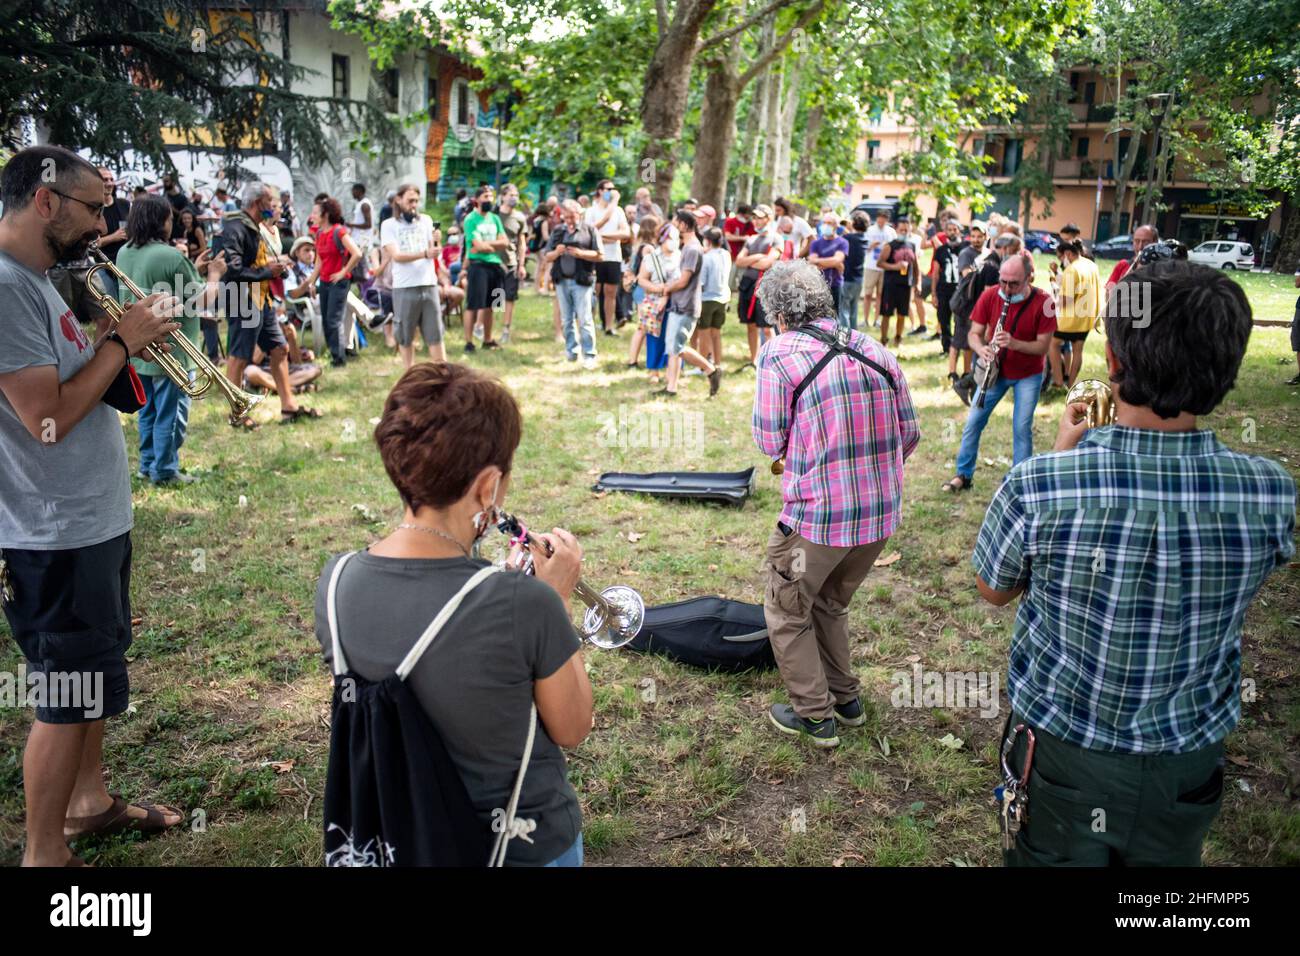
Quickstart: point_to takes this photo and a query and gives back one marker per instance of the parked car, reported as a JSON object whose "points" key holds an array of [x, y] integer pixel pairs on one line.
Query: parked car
{"points": [[1116, 247], [1040, 240], [1224, 255], [871, 208]]}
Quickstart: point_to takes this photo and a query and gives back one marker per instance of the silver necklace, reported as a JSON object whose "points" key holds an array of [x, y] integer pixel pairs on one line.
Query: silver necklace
{"points": [[441, 534]]}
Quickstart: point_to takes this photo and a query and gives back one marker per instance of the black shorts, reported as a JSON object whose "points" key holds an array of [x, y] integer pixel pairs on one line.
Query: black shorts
{"points": [[1070, 336], [254, 329], [609, 273], [484, 285], [71, 617], [895, 299], [748, 307], [511, 285], [961, 332], [1295, 329]]}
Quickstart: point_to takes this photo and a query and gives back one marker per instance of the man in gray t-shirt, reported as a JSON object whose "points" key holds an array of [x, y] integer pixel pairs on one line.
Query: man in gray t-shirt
{"points": [[683, 310], [65, 499]]}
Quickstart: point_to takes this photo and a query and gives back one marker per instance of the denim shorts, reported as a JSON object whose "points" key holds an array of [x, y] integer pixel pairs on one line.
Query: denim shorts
{"points": [[573, 856], [677, 331]]}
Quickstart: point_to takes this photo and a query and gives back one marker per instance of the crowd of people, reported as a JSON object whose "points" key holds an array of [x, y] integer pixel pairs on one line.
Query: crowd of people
{"points": [[1124, 682]]}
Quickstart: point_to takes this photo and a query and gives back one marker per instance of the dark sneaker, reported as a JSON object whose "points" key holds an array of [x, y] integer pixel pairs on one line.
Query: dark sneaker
{"points": [[715, 379], [471, 347], [964, 389], [920, 331], [175, 480], [851, 714], [1293, 381], [663, 393], [821, 733]]}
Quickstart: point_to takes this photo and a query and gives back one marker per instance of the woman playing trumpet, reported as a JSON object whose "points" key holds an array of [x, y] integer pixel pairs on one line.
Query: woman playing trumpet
{"points": [[447, 439]]}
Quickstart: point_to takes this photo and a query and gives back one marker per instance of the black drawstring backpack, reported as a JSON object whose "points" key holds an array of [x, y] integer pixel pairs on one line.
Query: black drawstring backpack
{"points": [[393, 797]]}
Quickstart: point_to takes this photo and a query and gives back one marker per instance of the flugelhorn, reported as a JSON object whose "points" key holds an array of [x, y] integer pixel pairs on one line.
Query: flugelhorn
{"points": [[1097, 396], [209, 375], [614, 616]]}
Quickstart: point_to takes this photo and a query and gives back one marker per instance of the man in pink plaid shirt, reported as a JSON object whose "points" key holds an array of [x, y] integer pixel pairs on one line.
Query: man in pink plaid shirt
{"points": [[835, 405]]}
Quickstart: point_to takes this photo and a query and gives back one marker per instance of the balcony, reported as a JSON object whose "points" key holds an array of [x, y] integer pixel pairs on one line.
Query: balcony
{"points": [[1068, 169]]}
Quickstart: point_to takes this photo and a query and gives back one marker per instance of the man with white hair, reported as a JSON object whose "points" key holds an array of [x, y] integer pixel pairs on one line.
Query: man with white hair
{"points": [[834, 408], [1010, 329], [645, 206]]}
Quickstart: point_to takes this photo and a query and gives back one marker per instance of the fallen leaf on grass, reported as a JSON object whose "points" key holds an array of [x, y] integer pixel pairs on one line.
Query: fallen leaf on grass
{"points": [[884, 745], [281, 766], [1239, 761], [887, 560], [951, 742], [635, 536], [839, 860]]}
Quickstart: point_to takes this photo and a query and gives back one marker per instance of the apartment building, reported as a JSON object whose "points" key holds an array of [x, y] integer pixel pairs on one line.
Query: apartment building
{"points": [[1083, 174]]}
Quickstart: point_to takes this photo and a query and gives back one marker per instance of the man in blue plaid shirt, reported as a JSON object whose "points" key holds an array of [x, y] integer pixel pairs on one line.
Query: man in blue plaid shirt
{"points": [[1137, 548]]}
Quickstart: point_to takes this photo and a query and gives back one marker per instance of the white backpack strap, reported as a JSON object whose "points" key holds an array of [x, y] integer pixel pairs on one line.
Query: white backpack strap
{"points": [[332, 614], [514, 826], [430, 632]]}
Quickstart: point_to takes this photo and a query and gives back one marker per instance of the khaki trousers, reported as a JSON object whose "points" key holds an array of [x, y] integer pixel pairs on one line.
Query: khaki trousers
{"points": [[809, 587]]}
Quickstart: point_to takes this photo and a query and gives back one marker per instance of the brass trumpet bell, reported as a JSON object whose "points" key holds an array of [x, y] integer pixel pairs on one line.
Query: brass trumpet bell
{"points": [[1097, 396], [208, 375]]}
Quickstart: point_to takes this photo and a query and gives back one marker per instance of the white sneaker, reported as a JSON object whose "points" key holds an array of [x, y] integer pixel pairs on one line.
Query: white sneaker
{"points": [[694, 371], [505, 336], [589, 364], [478, 330]]}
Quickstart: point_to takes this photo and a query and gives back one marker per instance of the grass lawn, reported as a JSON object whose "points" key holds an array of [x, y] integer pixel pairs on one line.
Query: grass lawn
{"points": [[230, 701]]}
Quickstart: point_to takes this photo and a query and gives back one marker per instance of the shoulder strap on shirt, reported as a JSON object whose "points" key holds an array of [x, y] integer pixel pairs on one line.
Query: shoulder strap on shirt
{"points": [[332, 614], [413, 656], [835, 347]]}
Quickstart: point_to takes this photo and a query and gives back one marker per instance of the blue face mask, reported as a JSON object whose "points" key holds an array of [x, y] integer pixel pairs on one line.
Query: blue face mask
{"points": [[826, 231], [1013, 299], [268, 214]]}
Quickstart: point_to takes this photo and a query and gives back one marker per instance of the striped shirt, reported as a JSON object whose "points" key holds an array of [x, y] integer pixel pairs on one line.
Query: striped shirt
{"points": [[1140, 551], [845, 448]]}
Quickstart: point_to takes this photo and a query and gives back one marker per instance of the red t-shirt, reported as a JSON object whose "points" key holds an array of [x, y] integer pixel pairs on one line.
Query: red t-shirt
{"points": [[330, 251], [1119, 272], [737, 227], [1025, 320]]}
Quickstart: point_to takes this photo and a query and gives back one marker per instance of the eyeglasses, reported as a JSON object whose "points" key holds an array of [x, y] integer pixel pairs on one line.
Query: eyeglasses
{"points": [[96, 208]]}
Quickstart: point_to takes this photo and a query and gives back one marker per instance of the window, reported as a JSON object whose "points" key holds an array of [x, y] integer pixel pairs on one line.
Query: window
{"points": [[462, 104], [388, 88], [342, 87], [1081, 148], [431, 97], [1090, 93], [1074, 82], [873, 149]]}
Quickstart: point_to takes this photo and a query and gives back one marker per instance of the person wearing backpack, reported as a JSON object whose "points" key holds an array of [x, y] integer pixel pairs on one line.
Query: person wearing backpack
{"points": [[451, 674]]}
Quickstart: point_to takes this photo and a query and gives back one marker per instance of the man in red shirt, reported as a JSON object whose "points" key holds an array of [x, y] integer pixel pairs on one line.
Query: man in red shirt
{"points": [[1143, 236], [1018, 348], [736, 229]]}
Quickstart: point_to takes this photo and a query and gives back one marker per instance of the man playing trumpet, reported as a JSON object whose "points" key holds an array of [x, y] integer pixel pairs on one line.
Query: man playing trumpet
{"points": [[65, 502], [1135, 549]]}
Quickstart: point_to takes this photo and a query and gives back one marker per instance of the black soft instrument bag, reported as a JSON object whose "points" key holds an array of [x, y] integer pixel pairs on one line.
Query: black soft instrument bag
{"points": [[709, 632]]}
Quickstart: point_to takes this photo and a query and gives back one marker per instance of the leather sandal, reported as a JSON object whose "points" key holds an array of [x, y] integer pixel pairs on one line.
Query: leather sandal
{"points": [[957, 483], [246, 424], [116, 819], [302, 411]]}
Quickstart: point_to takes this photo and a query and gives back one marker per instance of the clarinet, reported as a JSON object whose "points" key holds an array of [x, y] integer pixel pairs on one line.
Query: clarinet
{"points": [[991, 370]]}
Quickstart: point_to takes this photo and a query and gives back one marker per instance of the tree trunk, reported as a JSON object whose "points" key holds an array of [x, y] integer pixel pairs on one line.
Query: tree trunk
{"points": [[751, 147], [1287, 258], [1123, 175], [772, 129], [781, 185], [811, 129], [663, 97], [718, 129]]}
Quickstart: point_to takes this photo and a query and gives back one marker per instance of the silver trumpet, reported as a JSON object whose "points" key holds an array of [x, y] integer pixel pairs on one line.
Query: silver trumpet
{"points": [[614, 616]]}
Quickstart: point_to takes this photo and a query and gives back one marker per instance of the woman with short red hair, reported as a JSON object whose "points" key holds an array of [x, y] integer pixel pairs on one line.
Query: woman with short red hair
{"points": [[447, 439]]}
